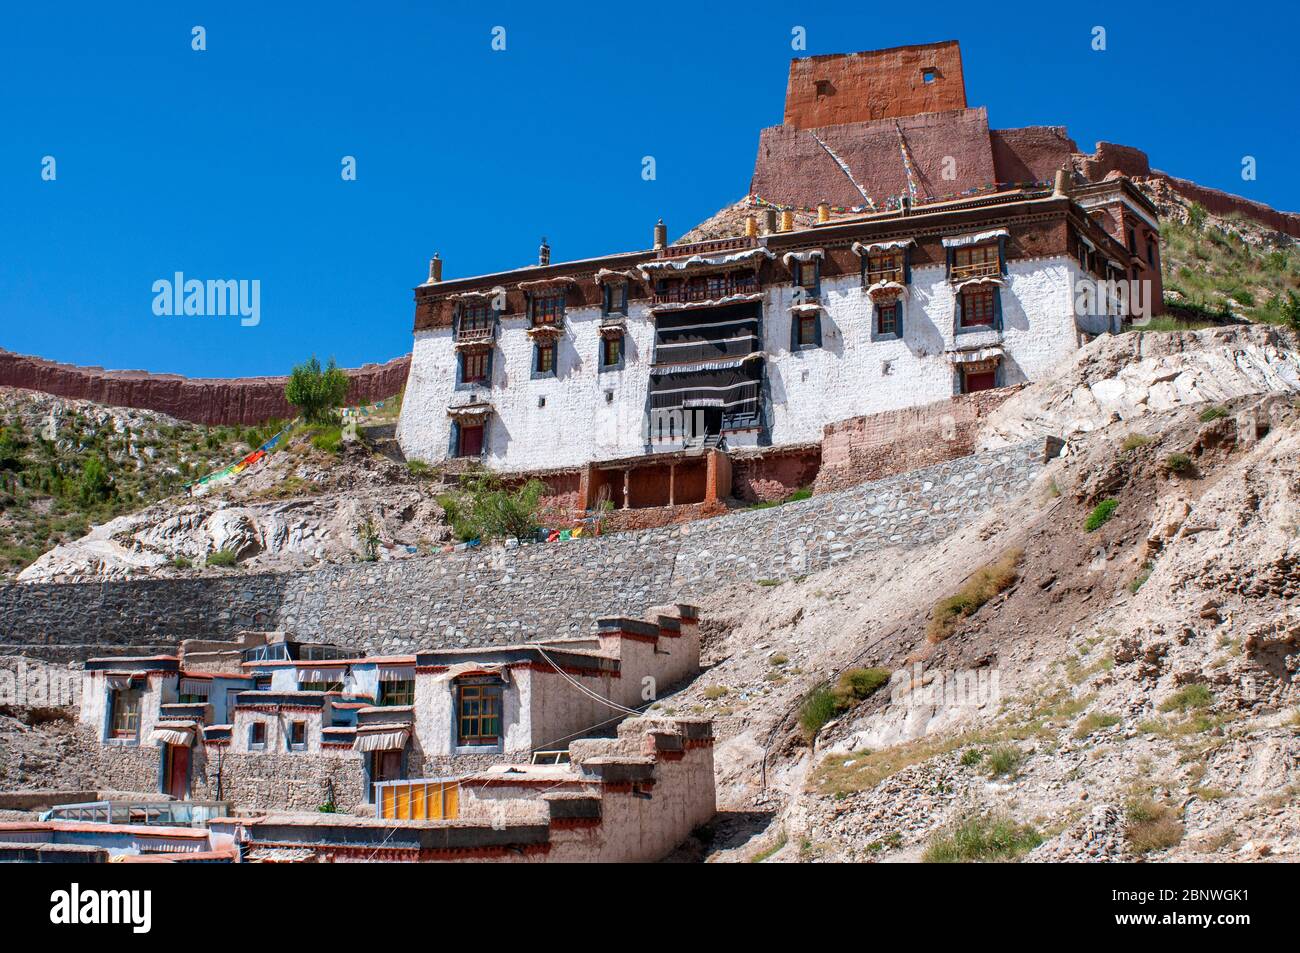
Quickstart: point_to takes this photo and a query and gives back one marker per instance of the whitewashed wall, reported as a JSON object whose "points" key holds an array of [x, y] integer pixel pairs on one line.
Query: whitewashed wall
{"points": [[848, 376]]}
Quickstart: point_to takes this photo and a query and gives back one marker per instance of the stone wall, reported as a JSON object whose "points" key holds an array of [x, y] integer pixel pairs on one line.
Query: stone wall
{"points": [[495, 596], [247, 400]]}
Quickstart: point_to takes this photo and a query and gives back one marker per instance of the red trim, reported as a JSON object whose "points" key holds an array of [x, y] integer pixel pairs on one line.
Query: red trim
{"points": [[574, 823]]}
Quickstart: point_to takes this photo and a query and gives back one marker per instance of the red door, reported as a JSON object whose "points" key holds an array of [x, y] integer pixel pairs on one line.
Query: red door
{"points": [[471, 441], [178, 771], [980, 381]]}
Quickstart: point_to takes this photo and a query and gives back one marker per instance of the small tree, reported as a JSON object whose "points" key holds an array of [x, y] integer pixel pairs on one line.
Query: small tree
{"points": [[95, 484], [1196, 217], [12, 446], [1290, 314], [316, 391]]}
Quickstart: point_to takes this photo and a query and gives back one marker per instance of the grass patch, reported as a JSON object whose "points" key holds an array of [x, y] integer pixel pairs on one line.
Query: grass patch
{"points": [[825, 702], [714, 692], [1212, 413], [328, 439], [1003, 761], [767, 852], [778, 659], [1140, 579], [802, 494], [1095, 721], [1179, 464], [1196, 697], [1152, 825], [221, 558], [1100, 515], [819, 707], [1134, 441], [971, 757], [981, 838], [998, 576]]}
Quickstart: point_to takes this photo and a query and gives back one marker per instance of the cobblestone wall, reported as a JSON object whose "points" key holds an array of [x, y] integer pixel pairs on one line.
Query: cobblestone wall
{"points": [[494, 596]]}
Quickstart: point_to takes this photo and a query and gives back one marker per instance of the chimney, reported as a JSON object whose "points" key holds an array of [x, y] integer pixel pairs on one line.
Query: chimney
{"points": [[661, 234], [435, 269], [787, 220], [823, 213], [544, 253], [1062, 184], [769, 221], [751, 226]]}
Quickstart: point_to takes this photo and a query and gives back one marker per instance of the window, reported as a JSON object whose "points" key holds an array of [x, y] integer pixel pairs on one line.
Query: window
{"points": [[1132, 241], [1151, 253], [807, 278], [474, 367], [257, 736], [611, 350], [397, 693], [548, 309], [125, 717], [321, 686], [544, 359], [469, 443], [616, 298], [262, 683], [805, 330], [972, 381], [889, 319], [978, 306], [885, 266], [975, 261], [475, 322], [297, 736], [479, 707]]}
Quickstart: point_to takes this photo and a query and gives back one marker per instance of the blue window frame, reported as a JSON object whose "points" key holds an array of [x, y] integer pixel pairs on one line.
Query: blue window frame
{"points": [[545, 358], [612, 350], [887, 320], [805, 329], [807, 279], [615, 298]]}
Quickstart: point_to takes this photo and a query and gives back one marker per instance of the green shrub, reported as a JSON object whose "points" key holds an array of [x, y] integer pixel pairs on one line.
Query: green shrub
{"points": [[1195, 696], [714, 692], [1140, 579], [1100, 514], [1212, 413], [819, 707], [94, 485], [984, 838], [221, 558], [982, 586], [180, 562], [418, 468], [1134, 441], [971, 757], [1178, 463], [487, 509]]}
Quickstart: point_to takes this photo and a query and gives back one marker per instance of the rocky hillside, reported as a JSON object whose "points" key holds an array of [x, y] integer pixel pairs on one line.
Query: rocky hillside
{"points": [[66, 464], [1105, 668]]}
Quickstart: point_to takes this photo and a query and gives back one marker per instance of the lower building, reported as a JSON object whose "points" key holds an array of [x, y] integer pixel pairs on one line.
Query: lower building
{"points": [[306, 726]]}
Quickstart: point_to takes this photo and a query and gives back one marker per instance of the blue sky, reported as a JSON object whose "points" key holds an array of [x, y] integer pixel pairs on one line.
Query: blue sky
{"points": [[226, 163]]}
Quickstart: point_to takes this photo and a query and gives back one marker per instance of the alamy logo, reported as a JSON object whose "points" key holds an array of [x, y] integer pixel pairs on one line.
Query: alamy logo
{"points": [[75, 906], [212, 298]]}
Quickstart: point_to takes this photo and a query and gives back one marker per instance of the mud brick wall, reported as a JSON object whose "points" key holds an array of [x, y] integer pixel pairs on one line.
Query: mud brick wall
{"points": [[882, 445]]}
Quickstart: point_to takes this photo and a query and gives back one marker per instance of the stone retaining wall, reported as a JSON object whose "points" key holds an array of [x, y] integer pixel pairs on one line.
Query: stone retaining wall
{"points": [[495, 596]]}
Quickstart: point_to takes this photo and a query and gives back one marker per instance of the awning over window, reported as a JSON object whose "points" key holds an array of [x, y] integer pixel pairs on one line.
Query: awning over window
{"points": [[974, 239], [397, 673], [977, 356], [172, 733], [877, 247], [981, 280], [195, 686], [381, 738], [120, 681], [752, 256], [332, 674]]}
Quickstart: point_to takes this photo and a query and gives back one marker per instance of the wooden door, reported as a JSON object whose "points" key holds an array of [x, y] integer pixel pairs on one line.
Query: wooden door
{"points": [[178, 771]]}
